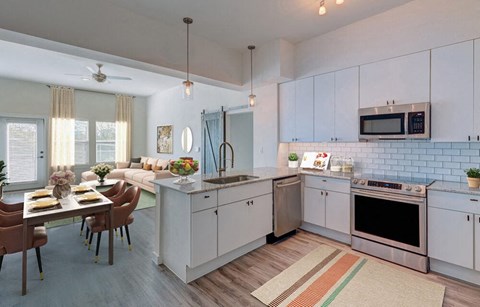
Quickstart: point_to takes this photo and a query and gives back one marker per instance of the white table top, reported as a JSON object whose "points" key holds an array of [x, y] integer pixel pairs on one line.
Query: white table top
{"points": [[69, 204], [96, 183]]}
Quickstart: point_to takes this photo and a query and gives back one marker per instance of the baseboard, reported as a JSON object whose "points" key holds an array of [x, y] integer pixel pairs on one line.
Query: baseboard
{"points": [[328, 233], [455, 271]]}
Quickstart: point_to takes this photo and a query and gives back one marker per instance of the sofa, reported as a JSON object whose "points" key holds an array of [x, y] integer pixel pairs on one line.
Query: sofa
{"points": [[137, 173]]}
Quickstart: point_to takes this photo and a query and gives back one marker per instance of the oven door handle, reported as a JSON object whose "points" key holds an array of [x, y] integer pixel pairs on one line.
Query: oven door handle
{"points": [[389, 196]]}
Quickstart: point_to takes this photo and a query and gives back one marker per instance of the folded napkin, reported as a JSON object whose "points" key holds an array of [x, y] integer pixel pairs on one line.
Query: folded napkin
{"points": [[88, 197], [40, 194], [43, 204]]}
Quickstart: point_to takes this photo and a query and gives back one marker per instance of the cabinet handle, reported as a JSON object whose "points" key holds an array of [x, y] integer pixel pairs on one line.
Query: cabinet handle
{"points": [[469, 138], [326, 193], [252, 202], [393, 101], [473, 199], [331, 139], [478, 137], [387, 103], [336, 139], [248, 203], [206, 196], [324, 180], [321, 193], [468, 217], [216, 212]]}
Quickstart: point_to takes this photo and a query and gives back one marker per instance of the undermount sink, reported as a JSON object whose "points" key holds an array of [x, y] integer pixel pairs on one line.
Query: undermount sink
{"points": [[230, 179]]}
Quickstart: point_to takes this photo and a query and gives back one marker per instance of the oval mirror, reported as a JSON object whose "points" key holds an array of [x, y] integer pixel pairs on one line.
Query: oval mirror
{"points": [[187, 139]]}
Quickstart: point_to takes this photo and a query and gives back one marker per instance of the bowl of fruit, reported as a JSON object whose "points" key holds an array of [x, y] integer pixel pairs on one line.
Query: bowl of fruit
{"points": [[183, 167]]}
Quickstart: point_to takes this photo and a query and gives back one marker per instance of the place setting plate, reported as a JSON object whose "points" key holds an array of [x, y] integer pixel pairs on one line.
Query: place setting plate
{"points": [[88, 198]]}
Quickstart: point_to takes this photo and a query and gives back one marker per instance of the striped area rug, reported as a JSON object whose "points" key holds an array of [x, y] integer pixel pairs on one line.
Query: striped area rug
{"points": [[331, 277]]}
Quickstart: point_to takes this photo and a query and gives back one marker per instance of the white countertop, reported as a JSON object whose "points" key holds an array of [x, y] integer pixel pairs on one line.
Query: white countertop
{"points": [[455, 187], [263, 173]]}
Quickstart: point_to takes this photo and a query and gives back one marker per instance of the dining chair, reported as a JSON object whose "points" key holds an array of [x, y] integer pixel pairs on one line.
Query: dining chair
{"points": [[115, 191], [123, 207], [10, 208], [11, 237]]}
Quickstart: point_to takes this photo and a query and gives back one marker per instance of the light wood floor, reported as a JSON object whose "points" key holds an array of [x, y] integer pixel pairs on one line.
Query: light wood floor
{"points": [[72, 279]]}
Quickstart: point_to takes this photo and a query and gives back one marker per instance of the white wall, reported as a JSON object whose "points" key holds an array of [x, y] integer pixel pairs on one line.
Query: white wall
{"points": [[23, 98], [415, 26], [168, 108]]}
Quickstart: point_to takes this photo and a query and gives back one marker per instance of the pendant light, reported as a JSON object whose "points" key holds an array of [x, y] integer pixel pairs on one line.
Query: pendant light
{"points": [[251, 97], [322, 10], [187, 88]]}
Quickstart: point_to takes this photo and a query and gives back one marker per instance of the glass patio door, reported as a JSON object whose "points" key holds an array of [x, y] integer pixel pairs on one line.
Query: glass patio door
{"points": [[22, 147]]}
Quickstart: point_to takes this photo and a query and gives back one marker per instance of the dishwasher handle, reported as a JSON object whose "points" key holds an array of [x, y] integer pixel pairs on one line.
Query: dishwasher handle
{"points": [[288, 184]]}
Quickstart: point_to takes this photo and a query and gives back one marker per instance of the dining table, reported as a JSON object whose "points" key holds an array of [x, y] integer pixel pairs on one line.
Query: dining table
{"points": [[69, 207]]}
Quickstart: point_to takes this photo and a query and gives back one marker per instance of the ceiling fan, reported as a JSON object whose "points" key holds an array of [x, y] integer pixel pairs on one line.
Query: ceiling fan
{"points": [[99, 76]]}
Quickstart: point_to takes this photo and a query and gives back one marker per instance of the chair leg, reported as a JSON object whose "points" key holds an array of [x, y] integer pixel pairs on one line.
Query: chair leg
{"points": [[99, 236], [90, 240], [128, 238], [39, 261], [1, 261], [121, 233], [81, 228], [86, 237]]}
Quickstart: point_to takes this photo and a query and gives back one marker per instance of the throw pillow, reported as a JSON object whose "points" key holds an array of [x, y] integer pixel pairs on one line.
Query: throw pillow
{"points": [[147, 167], [136, 165], [162, 163], [135, 160]]}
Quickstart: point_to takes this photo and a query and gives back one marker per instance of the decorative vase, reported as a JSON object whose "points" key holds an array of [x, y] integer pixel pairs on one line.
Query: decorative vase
{"points": [[101, 179], [473, 182], [61, 191], [293, 164]]}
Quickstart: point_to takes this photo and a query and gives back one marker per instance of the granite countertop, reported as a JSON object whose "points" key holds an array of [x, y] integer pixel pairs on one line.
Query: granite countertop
{"points": [[263, 173], [455, 187]]}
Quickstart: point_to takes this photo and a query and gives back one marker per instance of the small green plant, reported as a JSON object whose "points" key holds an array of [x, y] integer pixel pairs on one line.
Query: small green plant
{"points": [[292, 156], [473, 172], [3, 176]]}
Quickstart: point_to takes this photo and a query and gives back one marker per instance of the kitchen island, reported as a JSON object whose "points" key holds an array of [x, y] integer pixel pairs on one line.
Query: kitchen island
{"points": [[202, 226]]}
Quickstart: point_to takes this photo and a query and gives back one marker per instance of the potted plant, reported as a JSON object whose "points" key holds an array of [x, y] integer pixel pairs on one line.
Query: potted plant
{"points": [[293, 160], [3, 177], [473, 177]]}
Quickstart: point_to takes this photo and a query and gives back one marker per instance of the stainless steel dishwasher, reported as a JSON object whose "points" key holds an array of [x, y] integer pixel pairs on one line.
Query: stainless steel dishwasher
{"points": [[287, 207]]}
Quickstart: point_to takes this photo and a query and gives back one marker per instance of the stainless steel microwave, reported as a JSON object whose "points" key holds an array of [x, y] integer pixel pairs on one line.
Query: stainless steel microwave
{"points": [[404, 121]]}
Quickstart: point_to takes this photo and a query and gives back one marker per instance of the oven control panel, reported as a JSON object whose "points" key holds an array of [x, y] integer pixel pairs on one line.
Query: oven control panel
{"points": [[403, 188]]}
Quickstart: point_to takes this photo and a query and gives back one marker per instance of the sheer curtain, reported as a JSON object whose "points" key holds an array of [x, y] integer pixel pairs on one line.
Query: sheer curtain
{"points": [[62, 129], [123, 123]]}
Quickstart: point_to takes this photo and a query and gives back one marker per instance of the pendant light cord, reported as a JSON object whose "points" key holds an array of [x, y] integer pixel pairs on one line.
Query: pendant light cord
{"points": [[188, 52], [251, 71]]}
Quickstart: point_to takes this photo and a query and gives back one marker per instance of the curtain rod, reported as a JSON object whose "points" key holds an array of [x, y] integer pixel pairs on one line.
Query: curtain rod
{"points": [[97, 92]]}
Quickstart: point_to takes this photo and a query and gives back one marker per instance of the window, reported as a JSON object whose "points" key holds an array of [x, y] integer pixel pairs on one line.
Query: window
{"points": [[81, 142], [105, 137]]}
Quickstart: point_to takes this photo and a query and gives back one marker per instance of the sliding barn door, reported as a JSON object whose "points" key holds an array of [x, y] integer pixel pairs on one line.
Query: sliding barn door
{"points": [[213, 134]]}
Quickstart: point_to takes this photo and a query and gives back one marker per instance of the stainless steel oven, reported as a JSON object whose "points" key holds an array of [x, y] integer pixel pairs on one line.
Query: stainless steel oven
{"points": [[388, 220]]}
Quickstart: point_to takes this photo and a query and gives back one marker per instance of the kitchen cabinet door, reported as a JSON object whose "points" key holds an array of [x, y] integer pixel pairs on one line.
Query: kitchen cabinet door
{"points": [[314, 206], [304, 110], [405, 79], [337, 207], [452, 92], [450, 236], [233, 226], [476, 103], [477, 241], [346, 105], [324, 119], [260, 216], [204, 237], [286, 97]]}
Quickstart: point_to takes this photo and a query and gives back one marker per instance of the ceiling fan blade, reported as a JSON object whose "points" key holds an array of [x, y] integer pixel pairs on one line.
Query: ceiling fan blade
{"points": [[118, 78], [91, 69]]}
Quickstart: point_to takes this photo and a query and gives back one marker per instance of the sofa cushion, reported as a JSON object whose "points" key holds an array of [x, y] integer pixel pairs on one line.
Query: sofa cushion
{"points": [[143, 159], [134, 165], [163, 164], [138, 177], [152, 161], [147, 167], [132, 172], [122, 164]]}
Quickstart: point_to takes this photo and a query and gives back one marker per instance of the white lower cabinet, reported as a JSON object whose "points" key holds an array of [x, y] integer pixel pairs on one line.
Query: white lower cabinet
{"points": [[454, 228], [450, 236], [204, 236], [326, 203]]}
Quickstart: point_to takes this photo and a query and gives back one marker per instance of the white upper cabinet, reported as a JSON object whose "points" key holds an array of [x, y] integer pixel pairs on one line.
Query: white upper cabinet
{"points": [[452, 92], [476, 104], [286, 95], [296, 111], [324, 107], [336, 106], [346, 105], [304, 110], [404, 79]]}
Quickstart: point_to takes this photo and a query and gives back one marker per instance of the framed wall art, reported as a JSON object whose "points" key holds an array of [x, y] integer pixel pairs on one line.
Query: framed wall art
{"points": [[165, 139]]}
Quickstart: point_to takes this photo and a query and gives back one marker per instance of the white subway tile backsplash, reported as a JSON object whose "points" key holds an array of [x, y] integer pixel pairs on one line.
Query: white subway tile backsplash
{"points": [[411, 158]]}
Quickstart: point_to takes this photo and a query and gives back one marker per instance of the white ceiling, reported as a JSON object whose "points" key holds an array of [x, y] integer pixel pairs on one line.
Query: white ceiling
{"points": [[48, 67], [231, 24], [237, 24]]}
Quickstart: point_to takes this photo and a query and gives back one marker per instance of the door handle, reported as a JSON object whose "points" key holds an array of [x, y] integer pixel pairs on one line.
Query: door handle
{"points": [[473, 199]]}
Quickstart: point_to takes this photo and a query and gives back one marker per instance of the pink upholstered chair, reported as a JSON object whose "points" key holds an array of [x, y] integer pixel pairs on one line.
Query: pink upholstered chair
{"points": [[122, 216], [11, 237]]}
